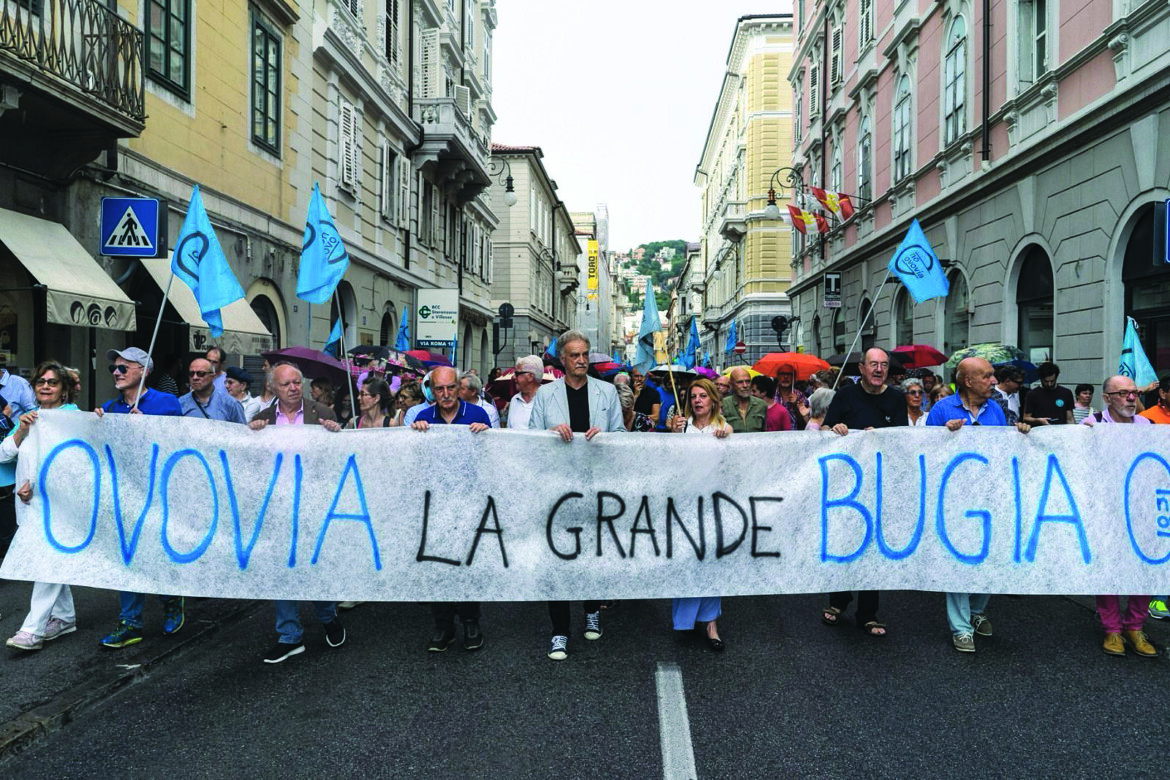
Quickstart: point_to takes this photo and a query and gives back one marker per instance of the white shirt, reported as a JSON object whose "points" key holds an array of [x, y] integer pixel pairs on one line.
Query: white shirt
{"points": [[1013, 400], [519, 411], [919, 423], [252, 405], [492, 412]]}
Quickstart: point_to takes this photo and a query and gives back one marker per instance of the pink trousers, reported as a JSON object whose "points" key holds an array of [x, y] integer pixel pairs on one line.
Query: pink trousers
{"points": [[1112, 620]]}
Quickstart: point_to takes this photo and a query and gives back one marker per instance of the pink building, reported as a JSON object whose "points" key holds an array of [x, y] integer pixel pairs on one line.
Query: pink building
{"points": [[1026, 136]]}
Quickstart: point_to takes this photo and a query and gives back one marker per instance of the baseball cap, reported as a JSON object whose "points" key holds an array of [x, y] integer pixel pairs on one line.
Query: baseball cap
{"points": [[133, 355], [238, 374]]}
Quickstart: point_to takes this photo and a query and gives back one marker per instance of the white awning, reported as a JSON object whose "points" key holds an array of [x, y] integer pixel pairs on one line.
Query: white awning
{"points": [[79, 291], [243, 332]]}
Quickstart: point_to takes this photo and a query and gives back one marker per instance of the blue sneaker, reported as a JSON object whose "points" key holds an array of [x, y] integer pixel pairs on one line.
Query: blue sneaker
{"points": [[175, 616], [122, 636]]}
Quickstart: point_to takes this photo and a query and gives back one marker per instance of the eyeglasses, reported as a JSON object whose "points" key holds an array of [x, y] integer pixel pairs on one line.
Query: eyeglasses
{"points": [[119, 368], [518, 373], [198, 374], [1124, 393], [48, 382], [913, 392], [878, 365]]}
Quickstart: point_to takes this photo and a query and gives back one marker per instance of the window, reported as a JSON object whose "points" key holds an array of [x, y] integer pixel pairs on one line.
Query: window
{"points": [[348, 160], [903, 320], [902, 129], [487, 54], [469, 33], [816, 327], [864, 24], [393, 38], [1033, 41], [387, 188], [836, 56], [1034, 301], [839, 344], [864, 162], [797, 110], [266, 65], [800, 15], [426, 206], [835, 183], [169, 36], [955, 83], [814, 90], [865, 325]]}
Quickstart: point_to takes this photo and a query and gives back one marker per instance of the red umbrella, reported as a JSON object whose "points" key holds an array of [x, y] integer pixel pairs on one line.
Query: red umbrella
{"points": [[430, 359], [802, 365], [918, 356]]}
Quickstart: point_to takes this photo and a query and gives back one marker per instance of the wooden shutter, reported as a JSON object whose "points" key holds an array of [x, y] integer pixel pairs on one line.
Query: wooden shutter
{"points": [[434, 216], [835, 58], [865, 26], [429, 64], [814, 91], [393, 40], [463, 100], [388, 162], [347, 153], [404, 192]]}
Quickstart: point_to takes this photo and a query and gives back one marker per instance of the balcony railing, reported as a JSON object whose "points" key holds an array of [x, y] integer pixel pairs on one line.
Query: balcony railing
{"points": [[80, 42], [733, 223]]}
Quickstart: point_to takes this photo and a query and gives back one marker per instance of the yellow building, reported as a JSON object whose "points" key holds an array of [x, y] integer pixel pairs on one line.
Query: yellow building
{"points": [[743, 268]]}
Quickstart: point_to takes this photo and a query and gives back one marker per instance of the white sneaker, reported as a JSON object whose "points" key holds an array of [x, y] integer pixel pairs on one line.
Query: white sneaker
{"points": [[23, 640], [57, 627]]}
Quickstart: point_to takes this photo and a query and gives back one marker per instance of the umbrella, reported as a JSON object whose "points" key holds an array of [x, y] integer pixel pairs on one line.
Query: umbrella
{"points": [[848, 363], [991, 352], [429, 359], [370, 351], [312, 363], [918, 356], [751, 371], [607, 366], [504, 386], [706, 373], [1031, 372], [599, 357], [677, 370], [802, 366]]}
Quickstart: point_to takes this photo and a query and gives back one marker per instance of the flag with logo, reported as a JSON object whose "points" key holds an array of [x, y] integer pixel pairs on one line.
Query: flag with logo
{"points": [[836, 202], [333, 344], [690, 355], [402, 343], [732, 337], [199, 261], [323, 256], [1134, 363], [804, 220], [651, 324], [916, 264]]}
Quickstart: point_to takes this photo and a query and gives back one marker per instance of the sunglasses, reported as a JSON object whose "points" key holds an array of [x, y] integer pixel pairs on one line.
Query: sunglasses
{"points": [[48, 381], [119, 368], [198, 374]]}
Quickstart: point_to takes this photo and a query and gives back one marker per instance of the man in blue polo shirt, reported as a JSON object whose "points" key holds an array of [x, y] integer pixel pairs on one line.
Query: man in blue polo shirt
{"points": [[129, 367], [206, 401], [970, 405], [449, 409]]}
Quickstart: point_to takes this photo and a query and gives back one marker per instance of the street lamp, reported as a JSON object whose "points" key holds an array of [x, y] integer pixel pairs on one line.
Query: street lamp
{"points": [[498, 167], [795, 181]]}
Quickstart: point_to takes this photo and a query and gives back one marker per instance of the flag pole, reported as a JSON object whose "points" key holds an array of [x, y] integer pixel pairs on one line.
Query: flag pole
{"points": [[154, 337], [348, 373], [857, 338]]}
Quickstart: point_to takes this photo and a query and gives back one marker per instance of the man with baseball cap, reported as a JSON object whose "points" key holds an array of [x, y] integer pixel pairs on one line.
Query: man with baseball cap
{"points": [[129, 367], [238, 384]]}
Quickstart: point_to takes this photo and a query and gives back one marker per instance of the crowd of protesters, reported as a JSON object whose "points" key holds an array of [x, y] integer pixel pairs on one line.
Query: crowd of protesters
{"points": [[577, 403]]}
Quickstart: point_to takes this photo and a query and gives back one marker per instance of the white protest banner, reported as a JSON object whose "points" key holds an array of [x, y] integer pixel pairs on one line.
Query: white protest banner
{"points": [[185, 506]]}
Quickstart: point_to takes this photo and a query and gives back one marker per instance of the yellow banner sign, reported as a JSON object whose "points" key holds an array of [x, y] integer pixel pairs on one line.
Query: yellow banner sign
{"points": [[593, 265]]}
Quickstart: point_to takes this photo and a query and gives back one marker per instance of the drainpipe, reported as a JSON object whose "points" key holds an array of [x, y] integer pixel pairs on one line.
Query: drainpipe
{"points": [[825, 117], [985, 152]]}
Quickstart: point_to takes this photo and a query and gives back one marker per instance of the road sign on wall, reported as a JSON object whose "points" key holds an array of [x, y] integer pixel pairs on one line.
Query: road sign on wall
{"points": [[133, 227]]}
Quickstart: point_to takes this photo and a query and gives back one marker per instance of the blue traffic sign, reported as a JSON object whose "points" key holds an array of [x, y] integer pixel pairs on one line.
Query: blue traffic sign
{"points": [[133, 227]]}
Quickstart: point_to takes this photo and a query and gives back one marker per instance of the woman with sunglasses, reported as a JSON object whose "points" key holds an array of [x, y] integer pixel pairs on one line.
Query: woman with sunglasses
{"points": [[51, 609], [914, 391]]}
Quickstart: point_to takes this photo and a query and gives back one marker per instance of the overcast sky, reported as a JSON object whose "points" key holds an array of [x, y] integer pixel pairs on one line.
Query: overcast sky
{"points": [[618, 94]]}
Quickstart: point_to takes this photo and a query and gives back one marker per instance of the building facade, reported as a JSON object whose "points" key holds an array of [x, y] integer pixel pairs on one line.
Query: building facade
{"points": [[600, 304], [386, 105], [536, 253], [745, 257], [1030, 145]]}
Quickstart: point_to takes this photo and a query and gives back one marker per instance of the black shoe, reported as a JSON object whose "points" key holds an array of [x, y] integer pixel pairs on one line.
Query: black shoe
{"points": [[472, 636], [443, 638], [335, 633], [280, 651]]}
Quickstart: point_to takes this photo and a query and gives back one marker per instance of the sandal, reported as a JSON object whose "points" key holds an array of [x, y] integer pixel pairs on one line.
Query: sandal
{"points": [[875, 629], [831, 616]]}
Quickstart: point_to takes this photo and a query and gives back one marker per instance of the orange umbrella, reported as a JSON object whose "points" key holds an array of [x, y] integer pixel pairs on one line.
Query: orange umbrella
{"points": [[802, 366]]}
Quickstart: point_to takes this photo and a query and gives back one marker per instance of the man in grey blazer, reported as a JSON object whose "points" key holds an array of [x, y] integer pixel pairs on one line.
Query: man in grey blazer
{"points": [[576, 403]]}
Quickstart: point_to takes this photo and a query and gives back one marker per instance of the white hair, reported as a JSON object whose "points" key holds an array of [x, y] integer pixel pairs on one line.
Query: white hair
{"points": [[531, 363]]}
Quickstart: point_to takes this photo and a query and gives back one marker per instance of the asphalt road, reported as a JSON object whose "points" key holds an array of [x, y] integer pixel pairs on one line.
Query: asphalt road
{"points": [[789, 696]]}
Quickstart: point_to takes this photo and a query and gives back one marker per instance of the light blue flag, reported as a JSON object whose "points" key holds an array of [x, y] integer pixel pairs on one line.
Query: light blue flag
{"points": [[323, 256], [732, 338], [690, 355], [645, 359], [552, 348], [916, 264], [1134, 363], [616, 357], [402, 343], [333, 345], [199, 261]]}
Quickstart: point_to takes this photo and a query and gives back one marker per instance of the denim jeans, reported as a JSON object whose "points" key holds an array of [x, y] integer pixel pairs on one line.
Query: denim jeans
{"points": [[960, 607], [132, 604], [288, 619]]}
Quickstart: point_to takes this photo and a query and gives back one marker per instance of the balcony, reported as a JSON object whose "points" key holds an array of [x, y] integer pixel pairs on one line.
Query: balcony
{"points": [[733, 223], [569, 278], [74, 69], [449, 142]]}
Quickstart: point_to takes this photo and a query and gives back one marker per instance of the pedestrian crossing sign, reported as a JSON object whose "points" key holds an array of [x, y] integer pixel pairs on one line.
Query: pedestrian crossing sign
{"points": [[132, 227]]}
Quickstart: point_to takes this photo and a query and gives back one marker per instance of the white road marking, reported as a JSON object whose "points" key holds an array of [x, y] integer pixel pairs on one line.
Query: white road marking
{"points": [[674, 727]]}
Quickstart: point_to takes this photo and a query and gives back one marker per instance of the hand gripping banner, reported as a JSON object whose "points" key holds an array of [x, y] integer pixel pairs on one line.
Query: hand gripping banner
{"points": [[192, 507]]}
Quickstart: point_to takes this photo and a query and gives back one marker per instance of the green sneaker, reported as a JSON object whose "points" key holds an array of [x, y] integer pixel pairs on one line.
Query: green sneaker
{"points": [[1158, 609], [123, 636]]}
